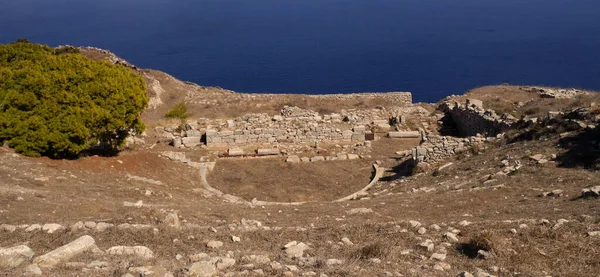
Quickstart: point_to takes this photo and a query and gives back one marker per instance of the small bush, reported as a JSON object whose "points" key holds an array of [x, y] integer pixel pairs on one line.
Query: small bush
{"points": [[374, 250], [179, 111], [475, 149]]}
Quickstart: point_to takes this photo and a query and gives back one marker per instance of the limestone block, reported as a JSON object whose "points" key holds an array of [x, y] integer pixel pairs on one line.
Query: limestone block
{"points": [[268, 151], [293, 159], [190, 141], [65, 252], [317, 158], [405, 134], [235, 152]]}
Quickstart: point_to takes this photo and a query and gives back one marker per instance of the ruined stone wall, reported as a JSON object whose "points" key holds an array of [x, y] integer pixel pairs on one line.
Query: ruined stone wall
{"points": [[472, 119], [281, 130], [437, 148]]}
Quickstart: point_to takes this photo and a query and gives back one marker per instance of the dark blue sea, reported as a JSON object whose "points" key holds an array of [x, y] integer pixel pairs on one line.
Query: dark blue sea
{"points": [[432, 48]]}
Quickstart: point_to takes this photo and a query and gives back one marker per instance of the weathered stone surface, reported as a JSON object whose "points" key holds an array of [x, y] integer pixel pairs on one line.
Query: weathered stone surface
{"points": [[172, 220], [33, 227], [317, 159], [150, 271], [33, 270], [268, 151], [293, 159], [8, 228], [295, 249], [225, 263], [450, 237], [333, 262], [202, 269], [141, 252], [235, 152], [14, 256], [359, 211], [591, 192], [52, 227], [190, 141], [214, 244], [353, 157], [404, 134], [65, 252]]}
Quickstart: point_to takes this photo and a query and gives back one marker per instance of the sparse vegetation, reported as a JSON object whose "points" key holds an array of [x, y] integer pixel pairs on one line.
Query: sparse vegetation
{"points": [[178, 111]]}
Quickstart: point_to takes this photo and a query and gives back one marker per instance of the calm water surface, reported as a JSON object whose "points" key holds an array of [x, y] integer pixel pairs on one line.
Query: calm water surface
{"points": [[432, 48]]}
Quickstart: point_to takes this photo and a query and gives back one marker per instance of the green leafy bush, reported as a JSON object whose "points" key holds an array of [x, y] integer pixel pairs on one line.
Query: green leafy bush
{"points": [[59, 103], [178, 111]]}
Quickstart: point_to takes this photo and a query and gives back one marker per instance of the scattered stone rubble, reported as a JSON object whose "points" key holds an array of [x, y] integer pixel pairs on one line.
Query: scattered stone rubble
{"points": [[554, 93]]}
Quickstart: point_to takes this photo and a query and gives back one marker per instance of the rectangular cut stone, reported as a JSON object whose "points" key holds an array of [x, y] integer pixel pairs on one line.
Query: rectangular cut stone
{"points": [[226, 133], [360, 128], [192, 133], [235, 152], [405, 134], [317, 158], [211, 133], [190, 141], [268, 151]]}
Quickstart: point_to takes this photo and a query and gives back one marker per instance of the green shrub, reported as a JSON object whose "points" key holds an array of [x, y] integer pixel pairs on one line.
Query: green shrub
{"points": [[178, 111], [59, 103]]}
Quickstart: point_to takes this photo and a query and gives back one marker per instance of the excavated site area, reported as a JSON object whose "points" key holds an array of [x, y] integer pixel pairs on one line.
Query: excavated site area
{"points": [[501, 181]]}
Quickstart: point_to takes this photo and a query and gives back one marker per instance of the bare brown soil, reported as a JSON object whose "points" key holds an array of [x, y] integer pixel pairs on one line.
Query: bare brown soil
{"points": [[278, 181]]}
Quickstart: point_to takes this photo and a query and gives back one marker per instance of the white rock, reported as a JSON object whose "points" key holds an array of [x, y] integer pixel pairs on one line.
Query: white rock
{"points": [[438, 256], [33, 269], [141, 252], [414, 223], [52, 227], [14, 256], [594, 233], [202, 269], [65, 252], [332, 262], [102, 226], [428, 245], [347, 241], [359, 211], [450, 237], [295, 250], [8, 228], [90, 224], [33, 227], [225, 263], [422, 230], [235, 239], [172, 220], [214, 244]]}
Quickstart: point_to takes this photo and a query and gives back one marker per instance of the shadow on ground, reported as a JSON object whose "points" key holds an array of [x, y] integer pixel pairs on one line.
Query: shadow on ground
{"points": [[403, 169], [583, 150]]}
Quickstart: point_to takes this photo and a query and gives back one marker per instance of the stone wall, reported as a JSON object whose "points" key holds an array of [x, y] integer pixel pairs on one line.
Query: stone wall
{"points": [[436, 148], [472, 119], [293, 126], [264, 129]]}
